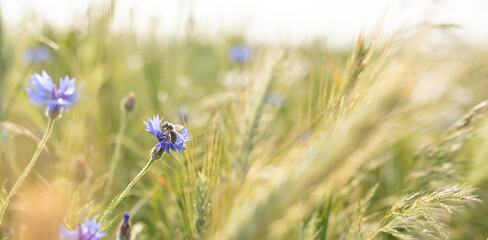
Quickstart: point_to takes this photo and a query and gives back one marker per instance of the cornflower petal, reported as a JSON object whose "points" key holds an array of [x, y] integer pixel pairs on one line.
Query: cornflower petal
{"points": [[153, 125]]}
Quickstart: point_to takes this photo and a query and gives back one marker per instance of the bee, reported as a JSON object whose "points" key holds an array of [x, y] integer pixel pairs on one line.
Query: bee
{"points": [[171, 130]]}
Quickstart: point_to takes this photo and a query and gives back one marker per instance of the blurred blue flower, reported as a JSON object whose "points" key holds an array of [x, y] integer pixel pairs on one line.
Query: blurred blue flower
{"points": [[37, 54], [304, 137], [44, 92], [276, 100], [89, 230], [240, 54], [163, 138]]}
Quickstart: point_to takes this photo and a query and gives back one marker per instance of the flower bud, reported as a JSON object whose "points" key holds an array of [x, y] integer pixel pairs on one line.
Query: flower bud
{"points": [[157, 152], [82, 171], [54, 112], [128, 104], [124, 232]]}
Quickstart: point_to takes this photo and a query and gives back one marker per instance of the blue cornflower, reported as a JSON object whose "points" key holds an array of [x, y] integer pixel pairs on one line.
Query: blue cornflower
{"points": [[37, 54], [44, 92], [163, 138], [89, 230], [240, 53]]}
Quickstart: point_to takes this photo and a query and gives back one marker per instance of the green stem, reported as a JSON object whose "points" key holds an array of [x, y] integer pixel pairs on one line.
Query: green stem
{"points": [[116, 153], [374, 234], [27, 169], [121, 196]]}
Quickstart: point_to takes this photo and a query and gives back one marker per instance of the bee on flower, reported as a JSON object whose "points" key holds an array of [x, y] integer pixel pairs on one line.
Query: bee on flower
{"points": [[168, 135]]}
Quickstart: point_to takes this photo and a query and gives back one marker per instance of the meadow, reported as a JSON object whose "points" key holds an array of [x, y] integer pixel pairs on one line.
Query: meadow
{"points": [[387, 140]]}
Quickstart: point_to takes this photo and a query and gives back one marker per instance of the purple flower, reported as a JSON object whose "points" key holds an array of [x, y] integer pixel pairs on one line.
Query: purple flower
{"points": [[89, 230], [163, 138], [44, 92], [240, 54], [37, 54]]}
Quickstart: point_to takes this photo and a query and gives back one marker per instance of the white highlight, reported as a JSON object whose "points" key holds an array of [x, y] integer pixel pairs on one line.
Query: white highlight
{"points": [[272, 21]]}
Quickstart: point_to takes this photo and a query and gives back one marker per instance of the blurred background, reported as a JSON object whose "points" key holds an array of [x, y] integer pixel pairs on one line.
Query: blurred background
{"points": [[310, 119], [292, 22]]}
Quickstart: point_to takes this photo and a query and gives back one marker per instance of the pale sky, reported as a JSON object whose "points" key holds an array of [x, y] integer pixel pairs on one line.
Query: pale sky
{"points": [[283, 21]]}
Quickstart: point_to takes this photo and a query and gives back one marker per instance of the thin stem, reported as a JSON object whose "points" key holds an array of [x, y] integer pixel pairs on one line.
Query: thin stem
{"points": [[121, 196], [116, 153], [374, 234], [28, 168]]}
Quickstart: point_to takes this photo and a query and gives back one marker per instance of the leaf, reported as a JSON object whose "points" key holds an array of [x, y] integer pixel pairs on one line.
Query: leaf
{"points": [[20, 130], [16, 128]]}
